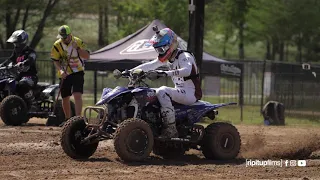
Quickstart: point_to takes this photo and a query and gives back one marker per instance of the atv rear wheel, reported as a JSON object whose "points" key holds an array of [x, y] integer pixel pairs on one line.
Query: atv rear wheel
{"points": [[74, 130], [14, 111], [59, 113], [168, 150], [221, 141], [133, 140]]}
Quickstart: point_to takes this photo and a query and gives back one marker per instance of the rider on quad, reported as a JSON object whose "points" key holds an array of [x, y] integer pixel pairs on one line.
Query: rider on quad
{"points": [[183, 71], [24, 58]]}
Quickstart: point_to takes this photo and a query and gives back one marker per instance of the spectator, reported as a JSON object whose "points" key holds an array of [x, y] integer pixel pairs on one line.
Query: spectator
{"points": [[68, 54]]}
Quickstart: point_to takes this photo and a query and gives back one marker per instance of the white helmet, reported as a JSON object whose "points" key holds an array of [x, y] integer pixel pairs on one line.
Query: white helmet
{"points": [[18, 38]]}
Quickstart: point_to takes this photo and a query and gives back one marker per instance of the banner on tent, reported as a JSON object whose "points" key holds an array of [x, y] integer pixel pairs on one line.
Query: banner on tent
{"points": [[140, 46], [137, 47], [230, 70]]}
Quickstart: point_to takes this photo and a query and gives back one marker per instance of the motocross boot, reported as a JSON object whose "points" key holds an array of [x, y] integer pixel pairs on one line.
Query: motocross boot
{"points": [[31, 101], [169, 129]]}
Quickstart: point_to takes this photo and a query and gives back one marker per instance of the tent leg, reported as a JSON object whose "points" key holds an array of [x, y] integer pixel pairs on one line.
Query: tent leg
{"points": [[95, 76], [241, 100]]}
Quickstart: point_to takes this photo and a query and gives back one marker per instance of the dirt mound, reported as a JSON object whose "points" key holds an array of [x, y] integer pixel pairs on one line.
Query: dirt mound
{"points": [[295, 147]]}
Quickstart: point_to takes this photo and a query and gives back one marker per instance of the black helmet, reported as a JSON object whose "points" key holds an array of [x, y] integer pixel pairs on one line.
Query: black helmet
{"points": [[18, 37]]}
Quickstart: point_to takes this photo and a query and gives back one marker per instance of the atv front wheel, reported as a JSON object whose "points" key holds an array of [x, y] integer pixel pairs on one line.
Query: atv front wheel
{"points": [[13, 111], [59, 114], [74, 130], [221, 141], [133, 140]]}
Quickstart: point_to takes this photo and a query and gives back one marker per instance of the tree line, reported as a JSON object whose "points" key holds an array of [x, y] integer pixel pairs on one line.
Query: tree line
{"points": [[287, 30]]}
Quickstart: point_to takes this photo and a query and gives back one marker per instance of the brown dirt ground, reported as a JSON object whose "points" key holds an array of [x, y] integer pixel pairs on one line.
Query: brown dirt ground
{"points": [[33, 151]]}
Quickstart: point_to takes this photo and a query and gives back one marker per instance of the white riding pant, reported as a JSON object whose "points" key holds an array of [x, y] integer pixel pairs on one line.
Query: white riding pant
{"points": [[166, 94]]}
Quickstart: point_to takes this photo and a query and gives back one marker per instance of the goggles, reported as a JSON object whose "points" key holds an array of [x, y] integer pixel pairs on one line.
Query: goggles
{"points": [[162, 49], [17, 44]]}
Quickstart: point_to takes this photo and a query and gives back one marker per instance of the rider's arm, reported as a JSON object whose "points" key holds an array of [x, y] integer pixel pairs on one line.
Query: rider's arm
{"points": [[152, 65], [30, 60], [184, 70], [9, 60]]}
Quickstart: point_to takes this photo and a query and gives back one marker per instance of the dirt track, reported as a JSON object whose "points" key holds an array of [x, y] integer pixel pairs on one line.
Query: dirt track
{"points": [[33, 152]]}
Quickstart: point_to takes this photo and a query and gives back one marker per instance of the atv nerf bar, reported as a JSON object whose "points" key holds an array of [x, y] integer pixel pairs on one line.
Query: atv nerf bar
{"points": [[98, 110]]}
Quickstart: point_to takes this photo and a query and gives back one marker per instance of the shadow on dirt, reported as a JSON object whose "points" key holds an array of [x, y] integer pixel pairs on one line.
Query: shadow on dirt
{"points": [[33, 124], [96, 159], [185, 160]]}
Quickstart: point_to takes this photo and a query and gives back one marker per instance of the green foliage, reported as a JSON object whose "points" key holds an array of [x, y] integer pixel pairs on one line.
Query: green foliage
{"points": [[285, 30]]}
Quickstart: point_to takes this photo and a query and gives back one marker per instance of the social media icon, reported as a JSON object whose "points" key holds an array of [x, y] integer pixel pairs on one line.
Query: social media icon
{"points": [[293, 163], [302, 163]]}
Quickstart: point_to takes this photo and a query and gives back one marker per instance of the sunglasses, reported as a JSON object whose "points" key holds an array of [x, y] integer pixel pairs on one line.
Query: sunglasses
{"points": [[64, 38]]}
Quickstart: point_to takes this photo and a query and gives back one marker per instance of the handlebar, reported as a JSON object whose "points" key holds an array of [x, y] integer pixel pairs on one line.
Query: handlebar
{"points": [[8, 72], [8, 67], [135, 77]]}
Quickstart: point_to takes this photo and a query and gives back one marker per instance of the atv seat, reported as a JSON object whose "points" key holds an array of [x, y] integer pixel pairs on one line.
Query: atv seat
{"points": [[198, 102]]}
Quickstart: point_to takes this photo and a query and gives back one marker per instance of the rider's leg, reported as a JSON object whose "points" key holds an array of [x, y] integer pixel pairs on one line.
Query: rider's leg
{"points": [[25, 87], [169, 129], [165, 95]]}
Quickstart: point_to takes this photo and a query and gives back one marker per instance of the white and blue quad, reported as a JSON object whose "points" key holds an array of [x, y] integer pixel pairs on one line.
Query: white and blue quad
{"points": [[131, 117]]}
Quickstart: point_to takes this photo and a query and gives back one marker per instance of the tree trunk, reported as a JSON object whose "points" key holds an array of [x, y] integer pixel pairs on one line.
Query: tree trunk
{"points": [[39, 32], [268, 53], [287, 52], [241, 39], [25, 17], [106, 22], [101, 42], [281, 51], [16, 18], [1, 42], [275, 47], [299, 48], [8, 23], [224, 51]]}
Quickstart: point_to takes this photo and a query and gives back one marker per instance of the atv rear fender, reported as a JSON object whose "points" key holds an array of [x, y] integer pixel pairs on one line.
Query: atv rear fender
{"points": [[51, 89]]}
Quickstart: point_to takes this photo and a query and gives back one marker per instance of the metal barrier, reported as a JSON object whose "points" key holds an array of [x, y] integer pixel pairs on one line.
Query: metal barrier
{"points": [[289, 83]]}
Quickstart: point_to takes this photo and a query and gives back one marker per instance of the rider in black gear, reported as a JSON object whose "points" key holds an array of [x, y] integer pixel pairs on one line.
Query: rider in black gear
{"points": [[24, 58]]}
